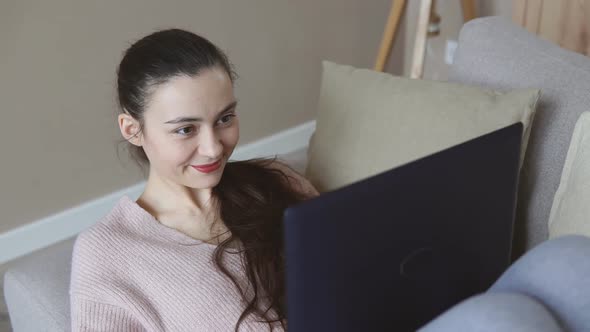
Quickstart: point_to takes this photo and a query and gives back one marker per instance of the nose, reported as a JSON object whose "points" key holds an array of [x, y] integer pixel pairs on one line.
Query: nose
{"points": [[210, 145]]}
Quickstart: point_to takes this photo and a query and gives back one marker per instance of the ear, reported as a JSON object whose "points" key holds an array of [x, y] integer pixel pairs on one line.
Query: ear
{"points": [[130, 129]]}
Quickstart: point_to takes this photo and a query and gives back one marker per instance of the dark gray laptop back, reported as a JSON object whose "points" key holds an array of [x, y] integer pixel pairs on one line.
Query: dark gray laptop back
{"points": [[393, 251]]}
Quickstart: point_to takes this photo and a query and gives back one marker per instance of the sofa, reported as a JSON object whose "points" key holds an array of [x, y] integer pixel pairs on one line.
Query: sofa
{"points": [[492, 53]]}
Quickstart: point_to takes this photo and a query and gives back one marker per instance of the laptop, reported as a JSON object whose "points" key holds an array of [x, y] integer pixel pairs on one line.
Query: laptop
{"points": [[393, 251]]}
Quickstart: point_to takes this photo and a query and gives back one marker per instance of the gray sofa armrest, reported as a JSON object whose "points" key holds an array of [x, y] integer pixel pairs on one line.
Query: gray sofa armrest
{"points": [[36, 290]]}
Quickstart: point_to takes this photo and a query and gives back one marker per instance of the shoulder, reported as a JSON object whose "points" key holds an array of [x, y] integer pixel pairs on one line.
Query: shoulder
{"points": [[97, 256], [98, 239], [296, 180]]}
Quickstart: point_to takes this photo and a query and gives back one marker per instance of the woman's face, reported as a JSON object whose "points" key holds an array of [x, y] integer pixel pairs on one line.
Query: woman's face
{"points": [[191, 121]]}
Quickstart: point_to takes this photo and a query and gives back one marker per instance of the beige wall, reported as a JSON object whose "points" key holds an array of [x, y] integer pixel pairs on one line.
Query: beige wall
{"points": [[57, 64]]}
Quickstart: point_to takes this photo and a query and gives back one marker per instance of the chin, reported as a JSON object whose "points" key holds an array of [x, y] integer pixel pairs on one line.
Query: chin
{"points": [[205, 183]]}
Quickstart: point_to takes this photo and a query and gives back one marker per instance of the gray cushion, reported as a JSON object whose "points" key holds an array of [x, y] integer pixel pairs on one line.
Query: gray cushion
{"points": [[497, 54], [36, 290]]}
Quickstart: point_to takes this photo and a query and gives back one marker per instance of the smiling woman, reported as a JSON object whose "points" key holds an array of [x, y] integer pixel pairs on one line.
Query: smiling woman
{"points": [[201, 249], [189, 121]]}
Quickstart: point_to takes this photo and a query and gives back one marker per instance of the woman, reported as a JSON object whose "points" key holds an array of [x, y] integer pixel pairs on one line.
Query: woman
{"points": [[201, 249]]}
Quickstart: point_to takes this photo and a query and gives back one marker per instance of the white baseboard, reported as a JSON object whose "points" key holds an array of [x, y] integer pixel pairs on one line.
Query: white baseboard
{"points": [[66, 224]]}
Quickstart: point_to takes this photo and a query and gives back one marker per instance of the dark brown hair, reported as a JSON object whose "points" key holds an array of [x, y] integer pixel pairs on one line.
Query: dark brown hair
{"points": [[251, 195]]}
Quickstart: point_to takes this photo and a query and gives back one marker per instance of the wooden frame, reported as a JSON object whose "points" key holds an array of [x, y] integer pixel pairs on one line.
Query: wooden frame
{"points": [[395, 14], [424, 15]]}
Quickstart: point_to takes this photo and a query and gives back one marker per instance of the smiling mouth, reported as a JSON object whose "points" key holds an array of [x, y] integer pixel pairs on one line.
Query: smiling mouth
{"points": [[208, 168]]}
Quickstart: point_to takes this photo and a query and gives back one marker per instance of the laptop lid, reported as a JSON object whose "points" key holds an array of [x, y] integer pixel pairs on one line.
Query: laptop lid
{"points": [[395, 250]]}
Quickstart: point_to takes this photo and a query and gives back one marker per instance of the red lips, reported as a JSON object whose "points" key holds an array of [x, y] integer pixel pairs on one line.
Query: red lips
{"points": [[208, 168]]}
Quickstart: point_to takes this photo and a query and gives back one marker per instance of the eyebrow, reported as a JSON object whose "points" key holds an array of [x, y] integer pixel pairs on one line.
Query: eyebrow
{"points": [[182, 119]]}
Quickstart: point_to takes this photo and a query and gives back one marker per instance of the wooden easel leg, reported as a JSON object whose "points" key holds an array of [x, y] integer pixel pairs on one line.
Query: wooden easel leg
{"points": [[421, 35], [397, 10], [468, 7]]}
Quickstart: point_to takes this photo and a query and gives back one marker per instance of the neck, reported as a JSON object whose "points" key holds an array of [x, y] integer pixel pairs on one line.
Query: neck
{"points": [[188, 210], [165, 196]]}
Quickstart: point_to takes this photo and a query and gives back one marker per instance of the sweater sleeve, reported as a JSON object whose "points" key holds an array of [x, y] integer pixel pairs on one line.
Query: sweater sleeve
{"points": [[91, 316]]}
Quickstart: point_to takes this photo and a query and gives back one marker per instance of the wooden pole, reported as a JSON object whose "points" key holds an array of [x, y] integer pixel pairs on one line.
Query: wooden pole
{"points": [[395, 14], [468, 7], [421, 34]]}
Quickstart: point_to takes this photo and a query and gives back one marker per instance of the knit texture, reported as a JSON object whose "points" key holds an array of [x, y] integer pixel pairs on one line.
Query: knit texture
{"points": [[131, 273]]}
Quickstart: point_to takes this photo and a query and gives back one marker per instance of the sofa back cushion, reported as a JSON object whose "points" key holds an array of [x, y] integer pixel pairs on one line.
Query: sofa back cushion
{"points": [[497, 54]]}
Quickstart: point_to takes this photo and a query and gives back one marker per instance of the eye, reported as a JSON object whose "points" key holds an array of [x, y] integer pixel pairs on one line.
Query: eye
{"points": [[228, 119], [185, 130]]}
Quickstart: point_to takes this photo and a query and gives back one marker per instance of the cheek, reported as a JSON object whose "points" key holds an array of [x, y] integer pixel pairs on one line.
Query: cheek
{"points": [[165, 152], [232, 136]]}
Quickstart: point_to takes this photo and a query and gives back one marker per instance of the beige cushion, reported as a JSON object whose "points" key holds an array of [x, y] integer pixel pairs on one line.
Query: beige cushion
{"points": [[369, 122], [570, 213]]}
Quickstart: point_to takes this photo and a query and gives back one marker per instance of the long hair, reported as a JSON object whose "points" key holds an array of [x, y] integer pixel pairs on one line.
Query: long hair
{"points": [[251, 195]]}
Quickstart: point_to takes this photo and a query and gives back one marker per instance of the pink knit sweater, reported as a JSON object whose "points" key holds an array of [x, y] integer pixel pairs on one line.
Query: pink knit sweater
{"points": [[131, 273]]}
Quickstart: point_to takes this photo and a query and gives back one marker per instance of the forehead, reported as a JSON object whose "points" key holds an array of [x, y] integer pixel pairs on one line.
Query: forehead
{"points": [[204, 95]]}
